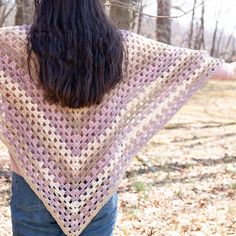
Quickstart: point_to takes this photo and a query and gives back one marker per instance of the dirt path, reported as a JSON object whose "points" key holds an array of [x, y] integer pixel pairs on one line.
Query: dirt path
{"points": [[193, 190]]}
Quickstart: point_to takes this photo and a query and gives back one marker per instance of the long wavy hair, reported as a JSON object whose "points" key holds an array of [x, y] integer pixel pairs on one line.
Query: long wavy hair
{"points": [[80, 51]]}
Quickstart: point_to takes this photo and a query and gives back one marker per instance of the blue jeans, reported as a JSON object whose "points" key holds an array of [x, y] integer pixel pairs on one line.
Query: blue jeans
{"points": [[31, 218]]}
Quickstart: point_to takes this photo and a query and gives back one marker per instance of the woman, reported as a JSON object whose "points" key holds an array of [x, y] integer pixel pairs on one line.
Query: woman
{"points": [[79, 98]]}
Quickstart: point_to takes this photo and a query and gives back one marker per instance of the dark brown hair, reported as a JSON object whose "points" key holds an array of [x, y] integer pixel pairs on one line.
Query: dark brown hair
{"points": [[79, 50]]}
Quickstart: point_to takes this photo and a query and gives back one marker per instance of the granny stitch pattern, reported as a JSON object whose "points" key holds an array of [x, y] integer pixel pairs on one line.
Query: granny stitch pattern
{"points": [[74, 159]]}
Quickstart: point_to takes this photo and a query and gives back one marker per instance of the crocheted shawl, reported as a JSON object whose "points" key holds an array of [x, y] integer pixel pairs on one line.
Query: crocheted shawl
{"points": [[74, 159]]}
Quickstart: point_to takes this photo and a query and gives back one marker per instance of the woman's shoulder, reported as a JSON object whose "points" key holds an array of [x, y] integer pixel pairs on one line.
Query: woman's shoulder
{"points": [[15, 28], [13, 33], [13, 45], [132, 36], [141, 43]]}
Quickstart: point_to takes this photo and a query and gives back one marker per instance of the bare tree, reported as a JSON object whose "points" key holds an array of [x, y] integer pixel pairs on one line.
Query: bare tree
{"points": [[120, 15], [163, 31], [200, 31], [24, 12], [192, 25], [140, 18], [214, 39]]}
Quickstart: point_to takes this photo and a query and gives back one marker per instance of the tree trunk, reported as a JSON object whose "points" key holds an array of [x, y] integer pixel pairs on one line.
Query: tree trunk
{"points": [[120, 15], [163, 32], [24, 12]]}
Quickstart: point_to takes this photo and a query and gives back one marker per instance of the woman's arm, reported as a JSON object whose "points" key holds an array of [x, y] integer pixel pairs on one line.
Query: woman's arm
{"points": [[226, 72]]}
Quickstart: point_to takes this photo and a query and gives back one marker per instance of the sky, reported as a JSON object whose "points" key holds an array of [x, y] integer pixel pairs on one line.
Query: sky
{"points": [[226, 9]]}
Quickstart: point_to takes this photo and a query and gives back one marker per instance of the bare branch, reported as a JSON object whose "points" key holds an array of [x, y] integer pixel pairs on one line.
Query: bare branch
{"points": [[134, 8]]}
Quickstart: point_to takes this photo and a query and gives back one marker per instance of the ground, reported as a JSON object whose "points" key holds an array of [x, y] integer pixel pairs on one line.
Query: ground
{"points": [[183, 182]]}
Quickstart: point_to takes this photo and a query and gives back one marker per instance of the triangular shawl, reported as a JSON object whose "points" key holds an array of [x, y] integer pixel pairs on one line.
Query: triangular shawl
{"points": [[74, 159]]}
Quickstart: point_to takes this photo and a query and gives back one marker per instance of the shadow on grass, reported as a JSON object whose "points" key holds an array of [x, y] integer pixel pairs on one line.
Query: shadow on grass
{"points": [[173, 167], [177, 167]]}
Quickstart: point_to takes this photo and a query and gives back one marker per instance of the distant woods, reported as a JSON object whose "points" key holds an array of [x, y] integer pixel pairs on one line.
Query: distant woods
{"points": [[119, 11], [131, 15], [127, 14]]}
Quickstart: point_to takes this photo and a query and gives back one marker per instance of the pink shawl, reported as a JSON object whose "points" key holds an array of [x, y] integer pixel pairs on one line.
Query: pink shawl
{"points": [[74, 159]]}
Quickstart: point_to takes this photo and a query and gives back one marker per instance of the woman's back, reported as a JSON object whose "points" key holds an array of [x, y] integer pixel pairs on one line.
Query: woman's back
{"points": [[74, 159]]}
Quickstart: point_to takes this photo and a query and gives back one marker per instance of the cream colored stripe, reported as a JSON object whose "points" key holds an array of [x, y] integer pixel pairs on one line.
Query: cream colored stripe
{"points": [[59, 146]]}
